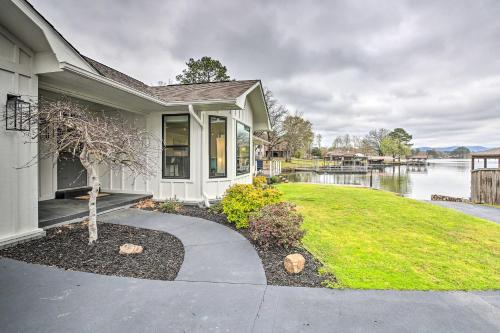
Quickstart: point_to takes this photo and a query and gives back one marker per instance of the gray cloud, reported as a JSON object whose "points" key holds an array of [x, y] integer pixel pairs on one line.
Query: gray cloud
{"points": [[431, 67]]}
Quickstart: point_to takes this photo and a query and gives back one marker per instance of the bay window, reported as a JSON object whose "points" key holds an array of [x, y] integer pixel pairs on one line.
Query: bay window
{"points": [[242, 149], [217, 146], [176, 146]]}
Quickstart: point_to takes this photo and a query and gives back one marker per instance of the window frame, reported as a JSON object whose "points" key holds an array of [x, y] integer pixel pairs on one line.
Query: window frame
{"points": [[210, 145], [249, 148], [164, 146]]}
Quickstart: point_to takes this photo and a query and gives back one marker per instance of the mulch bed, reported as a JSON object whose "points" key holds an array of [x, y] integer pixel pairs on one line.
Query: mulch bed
{"points": [[67, 247], [272, 258]]}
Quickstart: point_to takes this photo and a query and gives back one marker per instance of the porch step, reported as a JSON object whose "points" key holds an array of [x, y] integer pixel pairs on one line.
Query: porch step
{"points": [[73, 192]]}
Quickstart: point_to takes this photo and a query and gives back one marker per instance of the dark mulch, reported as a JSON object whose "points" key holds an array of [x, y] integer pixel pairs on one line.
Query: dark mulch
{"points": [[67, 247], [272, 258]]}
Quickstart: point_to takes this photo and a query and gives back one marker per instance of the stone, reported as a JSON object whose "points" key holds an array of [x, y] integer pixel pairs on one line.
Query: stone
{"points": [[131, 249], [437, 197], [294, 263]]}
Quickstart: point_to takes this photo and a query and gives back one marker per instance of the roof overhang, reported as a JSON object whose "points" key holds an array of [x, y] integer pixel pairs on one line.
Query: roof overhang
{"points": [[76, 82], [255, 96]]}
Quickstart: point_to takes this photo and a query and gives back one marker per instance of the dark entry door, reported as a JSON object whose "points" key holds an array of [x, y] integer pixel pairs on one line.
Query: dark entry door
{"points": [[70, 172]]}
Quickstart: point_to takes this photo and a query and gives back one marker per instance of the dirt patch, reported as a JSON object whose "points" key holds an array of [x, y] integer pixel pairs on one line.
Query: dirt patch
{"points": [[67, 247]]}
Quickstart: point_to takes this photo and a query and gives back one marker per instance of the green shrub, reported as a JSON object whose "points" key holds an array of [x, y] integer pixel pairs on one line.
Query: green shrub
{"points": [[274, 180], [259, 181], [242, 199], [276, 224], [216, 208], [170, 206]]}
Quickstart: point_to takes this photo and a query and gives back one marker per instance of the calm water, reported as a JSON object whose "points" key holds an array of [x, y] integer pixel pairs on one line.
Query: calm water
{"points": [[445, 176]]}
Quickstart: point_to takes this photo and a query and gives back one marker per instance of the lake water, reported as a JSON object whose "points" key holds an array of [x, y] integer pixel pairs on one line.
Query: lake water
{"points": [[441, 176]]}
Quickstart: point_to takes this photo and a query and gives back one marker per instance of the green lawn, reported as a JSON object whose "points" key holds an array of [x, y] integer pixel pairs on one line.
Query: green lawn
{"points": [[376, 240]]}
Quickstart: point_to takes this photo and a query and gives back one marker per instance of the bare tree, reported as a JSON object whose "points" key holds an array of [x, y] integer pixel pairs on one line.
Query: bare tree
{"points": [[319, 137], [277, 114], [374, 139], [96, 138]]}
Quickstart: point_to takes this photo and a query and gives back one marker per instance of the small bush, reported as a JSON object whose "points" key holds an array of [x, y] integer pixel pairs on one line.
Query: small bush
{"points": [[170, 206], [242, 199], [216, 208], [259, 181], [277, 224], [274, 180]]}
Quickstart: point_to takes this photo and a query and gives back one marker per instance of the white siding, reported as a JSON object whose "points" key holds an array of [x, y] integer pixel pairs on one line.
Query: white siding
{"points": [[18, 195], [181, 189], [188, 190], [193, 189]]}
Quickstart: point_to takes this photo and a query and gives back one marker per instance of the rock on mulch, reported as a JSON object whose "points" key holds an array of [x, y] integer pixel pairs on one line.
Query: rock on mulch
{"points": [[67, 247], [272, 258]]}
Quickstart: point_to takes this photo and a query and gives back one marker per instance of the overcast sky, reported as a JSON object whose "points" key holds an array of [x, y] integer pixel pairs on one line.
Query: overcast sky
{"points": [[431, 67]]}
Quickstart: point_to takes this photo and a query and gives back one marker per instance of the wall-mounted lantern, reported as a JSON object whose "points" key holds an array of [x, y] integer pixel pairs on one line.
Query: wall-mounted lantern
{"points": [[17, 114]]}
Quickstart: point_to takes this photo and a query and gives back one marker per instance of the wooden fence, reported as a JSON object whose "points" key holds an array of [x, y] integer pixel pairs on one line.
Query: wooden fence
{"points": [[485, 186]]}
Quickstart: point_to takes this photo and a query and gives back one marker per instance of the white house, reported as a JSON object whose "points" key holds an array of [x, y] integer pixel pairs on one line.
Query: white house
{"points": [[206, 129]]}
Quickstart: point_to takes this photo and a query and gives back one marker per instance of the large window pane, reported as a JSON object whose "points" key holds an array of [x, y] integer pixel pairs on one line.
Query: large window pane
{"points": [[242, 149], [176, 146], [217, 148], [176, 130]]}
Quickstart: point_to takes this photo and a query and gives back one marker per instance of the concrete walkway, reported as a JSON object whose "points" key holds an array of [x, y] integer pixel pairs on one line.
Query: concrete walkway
{"points": [[221, 288], [213, 252], [484, 212]]}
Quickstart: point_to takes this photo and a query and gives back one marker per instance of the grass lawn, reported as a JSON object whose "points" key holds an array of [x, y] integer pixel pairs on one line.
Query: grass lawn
{"points": [[376, 240]]}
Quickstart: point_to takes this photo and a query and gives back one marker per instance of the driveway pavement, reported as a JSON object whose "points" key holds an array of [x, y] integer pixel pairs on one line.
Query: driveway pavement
{"points": [[484, 212], [220, 288]]}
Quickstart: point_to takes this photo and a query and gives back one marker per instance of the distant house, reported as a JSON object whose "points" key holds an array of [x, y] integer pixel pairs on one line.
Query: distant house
{"points": [[206, 129], [418, 159], [278, 151], [346, 158]]}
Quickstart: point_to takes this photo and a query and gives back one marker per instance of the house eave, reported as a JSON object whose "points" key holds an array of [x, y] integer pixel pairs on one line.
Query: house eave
{"points": [[153, 104]]}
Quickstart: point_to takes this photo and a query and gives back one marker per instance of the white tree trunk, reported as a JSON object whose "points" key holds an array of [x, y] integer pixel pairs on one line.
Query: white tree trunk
{"points": [[94, 178]]}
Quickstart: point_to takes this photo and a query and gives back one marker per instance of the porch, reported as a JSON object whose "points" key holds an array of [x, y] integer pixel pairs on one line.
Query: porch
{"points": [[56, 211]]}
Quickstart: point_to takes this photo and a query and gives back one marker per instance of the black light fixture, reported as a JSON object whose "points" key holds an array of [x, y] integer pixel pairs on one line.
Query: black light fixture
{"points": [[17, 114]]}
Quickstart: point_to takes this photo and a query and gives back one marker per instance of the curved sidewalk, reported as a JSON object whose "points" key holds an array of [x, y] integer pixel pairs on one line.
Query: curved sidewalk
{"points": [[213, 252]]}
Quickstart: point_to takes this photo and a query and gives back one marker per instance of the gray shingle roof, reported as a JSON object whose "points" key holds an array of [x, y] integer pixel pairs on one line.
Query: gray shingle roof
{"points": [[118, 76], [226, 90], [203, 91]]}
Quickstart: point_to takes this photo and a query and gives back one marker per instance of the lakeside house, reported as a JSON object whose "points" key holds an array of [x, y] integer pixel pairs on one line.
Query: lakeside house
{"points": [[207, 129], [346, 158]]}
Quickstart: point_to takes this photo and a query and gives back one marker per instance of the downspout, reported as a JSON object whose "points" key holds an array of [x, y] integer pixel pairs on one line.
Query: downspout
{"points": [[202, 170]]}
